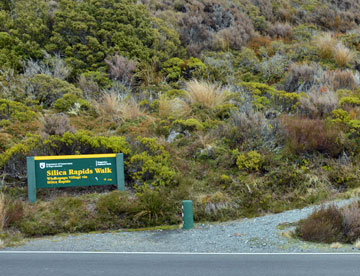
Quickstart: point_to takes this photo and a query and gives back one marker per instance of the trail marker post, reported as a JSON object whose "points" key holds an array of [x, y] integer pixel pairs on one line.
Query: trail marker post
{"points": [[187, 214]]}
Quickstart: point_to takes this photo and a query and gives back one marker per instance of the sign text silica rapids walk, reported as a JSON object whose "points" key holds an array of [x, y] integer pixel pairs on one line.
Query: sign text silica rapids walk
{"points": [[74, 170]]}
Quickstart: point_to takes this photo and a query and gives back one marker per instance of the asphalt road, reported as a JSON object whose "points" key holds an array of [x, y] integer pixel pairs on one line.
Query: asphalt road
{"points": [[96, 264]]}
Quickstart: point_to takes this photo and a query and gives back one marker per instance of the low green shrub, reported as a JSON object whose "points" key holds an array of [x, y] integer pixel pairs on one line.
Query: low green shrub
{"points": [[68, 101], [63, 215], [146, 162], [251, 161], [46, 90], [149, 165]]}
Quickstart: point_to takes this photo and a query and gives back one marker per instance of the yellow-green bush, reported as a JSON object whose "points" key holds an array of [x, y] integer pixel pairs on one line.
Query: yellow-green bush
{"points": [[187, 125], [46, 90], [146, 162], [251, 161], [150, 164]]}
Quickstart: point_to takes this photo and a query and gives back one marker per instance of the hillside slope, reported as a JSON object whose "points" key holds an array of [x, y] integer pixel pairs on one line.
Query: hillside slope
{"points": [[244, 106]]}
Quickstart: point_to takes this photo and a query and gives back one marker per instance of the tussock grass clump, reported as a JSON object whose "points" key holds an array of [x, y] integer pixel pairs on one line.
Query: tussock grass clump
{"points": [[343, 55], [2, 212], [176, 108], [329, 47], [118, 108], [204, 93], [326, 44]]}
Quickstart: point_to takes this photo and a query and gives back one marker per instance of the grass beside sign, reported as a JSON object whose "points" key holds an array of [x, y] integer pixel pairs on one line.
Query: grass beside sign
{"points": [[74, 170]]}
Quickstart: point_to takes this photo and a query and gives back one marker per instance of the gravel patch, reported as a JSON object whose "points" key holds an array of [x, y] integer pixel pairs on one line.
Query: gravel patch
{"points": [[258, 235]]}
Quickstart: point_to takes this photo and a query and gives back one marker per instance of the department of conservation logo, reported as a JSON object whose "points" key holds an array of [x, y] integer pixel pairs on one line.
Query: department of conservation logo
{"points": [[42, 165]]}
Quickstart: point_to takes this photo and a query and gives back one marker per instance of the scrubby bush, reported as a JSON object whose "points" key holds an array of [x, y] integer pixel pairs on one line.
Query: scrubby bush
{"points": [[176, 69], [331, 224], [300, 77], [149, 165], [121, 69], [46, 90], [147, 162], [202, 22], [52, 66], [251, 161], [87, 32], [16, 121], [351, 222], [318, 104], [280, 30], [310, 135], [249, 130], [323, 225], [57, 124]]}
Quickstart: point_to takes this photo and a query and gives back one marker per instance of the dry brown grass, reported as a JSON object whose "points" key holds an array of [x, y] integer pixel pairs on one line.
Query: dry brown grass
{"points": [[357, 244], [343, 55], [336, 245], [176, 108], [118, 108], [204, 93], [323, 225], [317, 104], [326, 44], [2, 212], [55, 124], [351, 223]]}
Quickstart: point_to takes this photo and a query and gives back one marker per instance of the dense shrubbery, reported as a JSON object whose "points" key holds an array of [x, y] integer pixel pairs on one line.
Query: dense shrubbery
{"points": [[245, 107]]}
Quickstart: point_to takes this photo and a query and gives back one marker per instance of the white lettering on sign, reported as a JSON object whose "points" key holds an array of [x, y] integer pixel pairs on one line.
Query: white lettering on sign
{"points": [[102, 163], [55, 165]]}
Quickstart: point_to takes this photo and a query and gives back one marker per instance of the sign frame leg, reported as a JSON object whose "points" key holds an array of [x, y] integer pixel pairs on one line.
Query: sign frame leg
{"points": [[30, 164], [120, 174]]}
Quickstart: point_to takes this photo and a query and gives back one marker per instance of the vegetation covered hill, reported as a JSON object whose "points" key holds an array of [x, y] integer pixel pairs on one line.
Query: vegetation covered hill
{"points": [[243, 106]]}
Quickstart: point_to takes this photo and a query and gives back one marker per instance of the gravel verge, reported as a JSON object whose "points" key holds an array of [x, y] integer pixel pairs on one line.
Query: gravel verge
{"points": [[258, 235]]}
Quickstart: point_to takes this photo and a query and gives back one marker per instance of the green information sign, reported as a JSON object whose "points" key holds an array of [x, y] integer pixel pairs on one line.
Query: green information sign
{"points": [[74, 170]]}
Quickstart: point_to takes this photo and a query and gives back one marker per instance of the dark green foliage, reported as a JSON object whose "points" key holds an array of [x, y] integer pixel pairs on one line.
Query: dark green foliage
{"points": [[176, 69], [76, 76], [147, 162], [63, 215], [68, 101], [46, 90]]}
